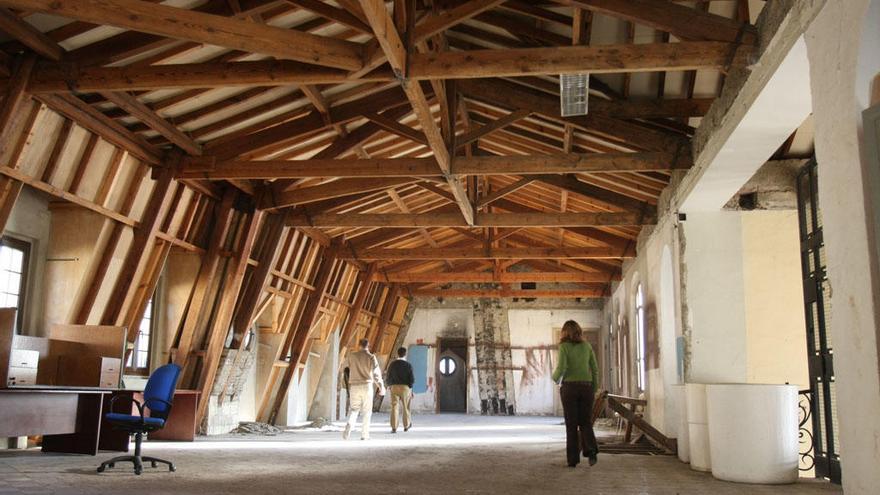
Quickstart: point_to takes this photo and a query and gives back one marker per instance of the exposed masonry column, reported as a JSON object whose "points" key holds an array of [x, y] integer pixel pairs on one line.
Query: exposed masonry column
{"points": [[494, 360], [223, 412]]}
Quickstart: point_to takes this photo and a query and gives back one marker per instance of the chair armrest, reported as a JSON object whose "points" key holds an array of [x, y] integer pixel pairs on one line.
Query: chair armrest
{"points": [[140, 407]]}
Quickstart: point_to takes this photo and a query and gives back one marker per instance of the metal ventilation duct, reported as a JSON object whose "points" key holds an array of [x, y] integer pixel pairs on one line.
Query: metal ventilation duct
{"points": [[574, 90]]}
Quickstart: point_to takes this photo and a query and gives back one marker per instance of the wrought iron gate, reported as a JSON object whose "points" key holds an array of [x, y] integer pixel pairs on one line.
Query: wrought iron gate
{"points": [[823, 393]]}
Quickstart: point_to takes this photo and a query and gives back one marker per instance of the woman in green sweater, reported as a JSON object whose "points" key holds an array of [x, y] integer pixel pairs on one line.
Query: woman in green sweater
{"points": [[579, 372]]}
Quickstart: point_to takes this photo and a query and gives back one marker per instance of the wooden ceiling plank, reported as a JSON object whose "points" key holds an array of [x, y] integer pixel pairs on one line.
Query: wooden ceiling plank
{"points": [[201, 27], [335, 14], [29, 36], [497, 293]]}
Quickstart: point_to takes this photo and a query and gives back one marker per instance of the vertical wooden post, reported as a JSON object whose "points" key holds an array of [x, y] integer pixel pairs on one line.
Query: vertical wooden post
{"points": [[301, 334], [260, 278], [365, 282], [199, 295], [144, 236], [15, 95], [384, 317], [218, 332]]}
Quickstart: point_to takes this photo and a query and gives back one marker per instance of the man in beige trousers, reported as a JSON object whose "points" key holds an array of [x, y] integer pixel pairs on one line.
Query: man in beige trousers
{"points": [[400, 381], [364, 375]]}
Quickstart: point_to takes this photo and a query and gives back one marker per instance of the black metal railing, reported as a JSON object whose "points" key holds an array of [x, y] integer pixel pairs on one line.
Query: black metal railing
{"points": [[805, 433]]}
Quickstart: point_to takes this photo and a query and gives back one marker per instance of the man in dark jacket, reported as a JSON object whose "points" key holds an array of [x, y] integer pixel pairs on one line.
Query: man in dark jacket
{"points": [[400, 381]]}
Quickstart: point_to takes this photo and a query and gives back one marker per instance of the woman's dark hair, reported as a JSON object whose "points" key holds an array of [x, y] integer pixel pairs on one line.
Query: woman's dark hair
{"points": [[571, 332]]}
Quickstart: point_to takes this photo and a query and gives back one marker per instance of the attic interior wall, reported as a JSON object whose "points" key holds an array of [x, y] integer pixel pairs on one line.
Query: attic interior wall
{"points": [[533, 340]]}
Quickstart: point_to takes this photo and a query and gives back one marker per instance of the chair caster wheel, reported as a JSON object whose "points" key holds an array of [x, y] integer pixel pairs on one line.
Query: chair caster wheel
{"points": [[138, 471], [172, 468], [100, 469], [155, 464], [111, 465]]}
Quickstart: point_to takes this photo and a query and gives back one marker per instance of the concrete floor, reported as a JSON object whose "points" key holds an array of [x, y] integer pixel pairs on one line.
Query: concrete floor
{"points": [[448, 454]]}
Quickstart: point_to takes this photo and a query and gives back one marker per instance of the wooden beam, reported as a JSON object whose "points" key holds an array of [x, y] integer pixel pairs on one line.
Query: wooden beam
{"points": [[471, 293], [682, 21], [481, 253], [29, 36], [572, 184], [211, 169], [66, 77], [385, 315], [599, 59], [228, 32], [491, 277], [389, 39], [145, 114], [219, 330], [396, 127], [92, 119], [260, 278], [143, 239], [503, 91], [491, 127], [365, 281], [504, 191], [200, 298], [603, 59], [11, 124], [334, 189], [415, 220], [300, 334], [335, 14]]}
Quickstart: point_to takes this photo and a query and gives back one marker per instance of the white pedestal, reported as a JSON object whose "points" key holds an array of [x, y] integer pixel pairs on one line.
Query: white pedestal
{"points": [[698, 427], [753, 432]]}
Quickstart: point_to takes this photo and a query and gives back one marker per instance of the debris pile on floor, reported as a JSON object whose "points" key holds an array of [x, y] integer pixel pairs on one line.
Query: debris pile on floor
{"points": [[254, 428], [322, 424]]}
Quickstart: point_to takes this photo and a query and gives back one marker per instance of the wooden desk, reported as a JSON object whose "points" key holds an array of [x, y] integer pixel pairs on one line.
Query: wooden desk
{"points": [[181, 424], [71, 420]]}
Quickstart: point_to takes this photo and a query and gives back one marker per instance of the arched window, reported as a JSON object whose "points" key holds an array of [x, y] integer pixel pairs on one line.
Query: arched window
{"points": [[640, 338]]}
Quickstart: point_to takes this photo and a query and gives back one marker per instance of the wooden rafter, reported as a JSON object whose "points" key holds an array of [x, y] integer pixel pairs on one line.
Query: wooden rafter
{"points": [[415, 220], [200, 27]]}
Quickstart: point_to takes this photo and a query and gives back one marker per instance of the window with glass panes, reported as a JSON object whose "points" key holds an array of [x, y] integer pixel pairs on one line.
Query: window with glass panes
{"points": [[640, 338], [13, 275], [139, 359]]}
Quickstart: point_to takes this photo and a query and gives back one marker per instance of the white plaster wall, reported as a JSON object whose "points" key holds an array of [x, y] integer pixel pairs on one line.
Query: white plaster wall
{"points": [[535, 391], [426, 326], [716, 298], [656, 268], [844, 50]]}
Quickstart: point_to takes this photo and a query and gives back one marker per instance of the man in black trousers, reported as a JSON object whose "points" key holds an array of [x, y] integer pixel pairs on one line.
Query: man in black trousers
{"points": [[400, 381]]}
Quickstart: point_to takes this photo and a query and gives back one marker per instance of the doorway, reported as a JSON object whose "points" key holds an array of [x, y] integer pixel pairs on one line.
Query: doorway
{"points": [[452, 375]]}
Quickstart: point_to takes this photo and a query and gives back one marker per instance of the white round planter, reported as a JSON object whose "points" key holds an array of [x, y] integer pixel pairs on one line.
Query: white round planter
{"points": [[698, 427], [753, 432], [684, 447]]}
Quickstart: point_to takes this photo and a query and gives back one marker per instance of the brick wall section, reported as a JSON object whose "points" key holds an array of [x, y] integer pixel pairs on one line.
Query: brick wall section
{"points": [[494, 359], [222, 416]]}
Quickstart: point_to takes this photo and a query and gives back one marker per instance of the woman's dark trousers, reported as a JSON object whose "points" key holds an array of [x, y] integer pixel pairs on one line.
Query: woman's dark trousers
{"points": [[577, 404]]}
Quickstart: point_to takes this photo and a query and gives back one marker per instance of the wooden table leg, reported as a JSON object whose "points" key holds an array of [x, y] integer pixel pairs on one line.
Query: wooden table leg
{"points": [[89, 410]]}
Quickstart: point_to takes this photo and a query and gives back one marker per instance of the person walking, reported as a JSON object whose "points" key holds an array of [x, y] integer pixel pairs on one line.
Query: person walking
{"points": [[364, 376], [579, 372], [400, 382]]}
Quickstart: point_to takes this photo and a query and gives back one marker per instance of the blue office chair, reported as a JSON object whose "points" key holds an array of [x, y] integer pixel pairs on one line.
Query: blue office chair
{"points": [[157, 397]]}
